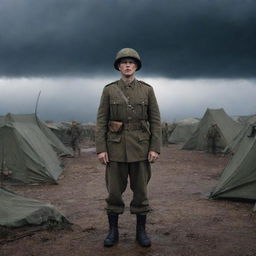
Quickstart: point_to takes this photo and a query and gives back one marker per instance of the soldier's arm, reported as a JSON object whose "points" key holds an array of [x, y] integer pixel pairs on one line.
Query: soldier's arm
{"points": [[155, 123], [102, 123]]}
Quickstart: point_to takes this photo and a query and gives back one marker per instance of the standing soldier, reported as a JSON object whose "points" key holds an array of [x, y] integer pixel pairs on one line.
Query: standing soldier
{"points": [[75, 133], [213, 136], [165, 134], [128, 139]]}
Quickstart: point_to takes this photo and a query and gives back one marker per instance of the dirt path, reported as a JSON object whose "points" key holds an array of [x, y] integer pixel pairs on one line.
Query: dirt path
{"points": [[183, 221]]}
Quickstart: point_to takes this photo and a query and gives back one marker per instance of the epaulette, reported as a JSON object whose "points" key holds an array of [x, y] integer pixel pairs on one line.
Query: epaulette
{"points": [[144, 83], [111, 83]]}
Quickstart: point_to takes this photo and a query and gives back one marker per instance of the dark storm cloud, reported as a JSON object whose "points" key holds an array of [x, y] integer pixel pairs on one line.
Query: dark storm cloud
{"points": [[197, 38]]}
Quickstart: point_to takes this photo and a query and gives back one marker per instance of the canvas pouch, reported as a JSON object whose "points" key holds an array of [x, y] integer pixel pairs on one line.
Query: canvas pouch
{"points": [[115, 126]]}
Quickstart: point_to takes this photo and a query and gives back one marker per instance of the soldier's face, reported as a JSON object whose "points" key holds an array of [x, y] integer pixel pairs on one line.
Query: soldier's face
{"points": [[127, 67]]}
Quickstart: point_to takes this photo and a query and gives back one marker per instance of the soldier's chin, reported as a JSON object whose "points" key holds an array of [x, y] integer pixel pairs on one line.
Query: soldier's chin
{"points": [[128, 74]]}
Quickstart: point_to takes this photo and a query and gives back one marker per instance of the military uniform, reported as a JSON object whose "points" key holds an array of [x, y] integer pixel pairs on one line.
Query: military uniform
{"points": [[130, 145], [165, 134], [128, 128], [213, 136], [75, 133]]}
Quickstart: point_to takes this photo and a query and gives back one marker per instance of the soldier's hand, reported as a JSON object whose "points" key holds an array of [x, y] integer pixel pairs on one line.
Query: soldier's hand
{"points": [[103, 157], [152, 156]]}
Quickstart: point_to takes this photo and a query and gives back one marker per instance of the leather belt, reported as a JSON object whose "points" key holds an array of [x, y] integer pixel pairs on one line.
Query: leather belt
{"points": [[132, 126]]}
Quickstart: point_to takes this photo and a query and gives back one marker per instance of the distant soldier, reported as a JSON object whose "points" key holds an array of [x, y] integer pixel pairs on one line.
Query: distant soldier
{"points": [[165, 134], [253, 131], [213, 135], [92, 133], [75, 133]]}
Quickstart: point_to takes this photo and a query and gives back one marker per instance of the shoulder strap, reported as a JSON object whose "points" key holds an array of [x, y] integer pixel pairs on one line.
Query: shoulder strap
{"points": [[126, 101], [122, 94], [142, 82], [111, 83]]}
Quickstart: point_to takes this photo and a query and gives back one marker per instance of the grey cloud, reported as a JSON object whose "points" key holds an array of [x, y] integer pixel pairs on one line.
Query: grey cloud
{"points": [[199, 38]]}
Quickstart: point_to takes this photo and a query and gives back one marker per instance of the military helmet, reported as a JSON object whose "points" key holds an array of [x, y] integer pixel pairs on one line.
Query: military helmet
{"points": [[127, 53]]}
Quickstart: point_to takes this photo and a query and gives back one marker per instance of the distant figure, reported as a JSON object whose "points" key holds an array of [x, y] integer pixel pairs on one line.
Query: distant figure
{"points": [[253, 131], [75, 133], [92, 134], [165, 134], [213, 135]]}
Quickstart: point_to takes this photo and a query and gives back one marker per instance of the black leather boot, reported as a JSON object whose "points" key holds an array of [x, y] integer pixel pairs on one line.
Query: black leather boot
{"points": [[113, 235], [141, 235]]}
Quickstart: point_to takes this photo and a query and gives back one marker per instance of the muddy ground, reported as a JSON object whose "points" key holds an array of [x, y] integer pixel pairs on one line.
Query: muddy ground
{"points": [[183, 221]]}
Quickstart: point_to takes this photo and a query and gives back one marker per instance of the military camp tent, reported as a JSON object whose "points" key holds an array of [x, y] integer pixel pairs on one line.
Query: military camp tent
{"points": [[55, 128], [238, 179], [227, 127], [233, 146], [183, 130], [17, 211], [32, 119], [56, 143], [61, 131], [245, 119], [26, 154]]}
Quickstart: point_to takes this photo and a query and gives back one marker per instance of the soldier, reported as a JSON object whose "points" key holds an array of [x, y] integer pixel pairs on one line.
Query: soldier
{"points": [[128, 139], [75, 133], [92, 133], [253, 131], [165, 134], [213, 136]]}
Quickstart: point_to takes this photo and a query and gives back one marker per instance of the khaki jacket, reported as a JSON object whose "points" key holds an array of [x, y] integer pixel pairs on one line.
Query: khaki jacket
{"points": [[134, 142]]}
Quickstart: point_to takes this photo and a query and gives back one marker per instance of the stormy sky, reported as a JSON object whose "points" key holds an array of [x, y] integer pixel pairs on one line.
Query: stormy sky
{"points": [[191, 51]]}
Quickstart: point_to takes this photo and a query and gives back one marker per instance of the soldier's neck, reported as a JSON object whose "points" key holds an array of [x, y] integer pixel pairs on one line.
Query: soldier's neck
{"points": [[128, 80]]}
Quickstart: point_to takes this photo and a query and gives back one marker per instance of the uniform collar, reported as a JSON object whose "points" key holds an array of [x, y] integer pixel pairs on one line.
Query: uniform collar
{"points": [[123, 84]]}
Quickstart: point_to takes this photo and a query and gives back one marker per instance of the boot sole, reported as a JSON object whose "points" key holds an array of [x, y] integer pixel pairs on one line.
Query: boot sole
{"points": [[143, 245], [110, 245]]}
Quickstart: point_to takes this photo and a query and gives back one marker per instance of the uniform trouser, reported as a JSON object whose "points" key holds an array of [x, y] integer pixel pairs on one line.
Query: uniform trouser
{"points": [[75, 144], [212, 145], [116, 180]]}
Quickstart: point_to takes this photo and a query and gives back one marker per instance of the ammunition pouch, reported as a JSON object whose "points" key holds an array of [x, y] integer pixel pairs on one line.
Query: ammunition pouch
{"points": [[115, 126]]}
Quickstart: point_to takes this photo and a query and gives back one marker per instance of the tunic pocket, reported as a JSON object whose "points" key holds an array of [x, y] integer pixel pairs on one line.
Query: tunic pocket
{"points": [[115, 138], [143, 137], [116, 109]]}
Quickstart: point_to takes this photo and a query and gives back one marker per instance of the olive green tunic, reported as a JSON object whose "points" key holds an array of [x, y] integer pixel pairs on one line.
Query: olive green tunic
{"points": [[133, 143]]}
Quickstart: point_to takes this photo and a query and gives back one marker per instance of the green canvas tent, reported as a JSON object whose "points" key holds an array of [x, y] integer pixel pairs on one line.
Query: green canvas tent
{"points": [[238, 179], [26, 154], [17, 211], [33, 120], [183, 130], [228, 129], [233, 146], [245, 119], [57, 144], [60, 130]]}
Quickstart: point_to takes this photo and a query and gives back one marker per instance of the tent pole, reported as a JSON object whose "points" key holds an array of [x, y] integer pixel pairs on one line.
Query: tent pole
{"points": [[37, 101]]}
